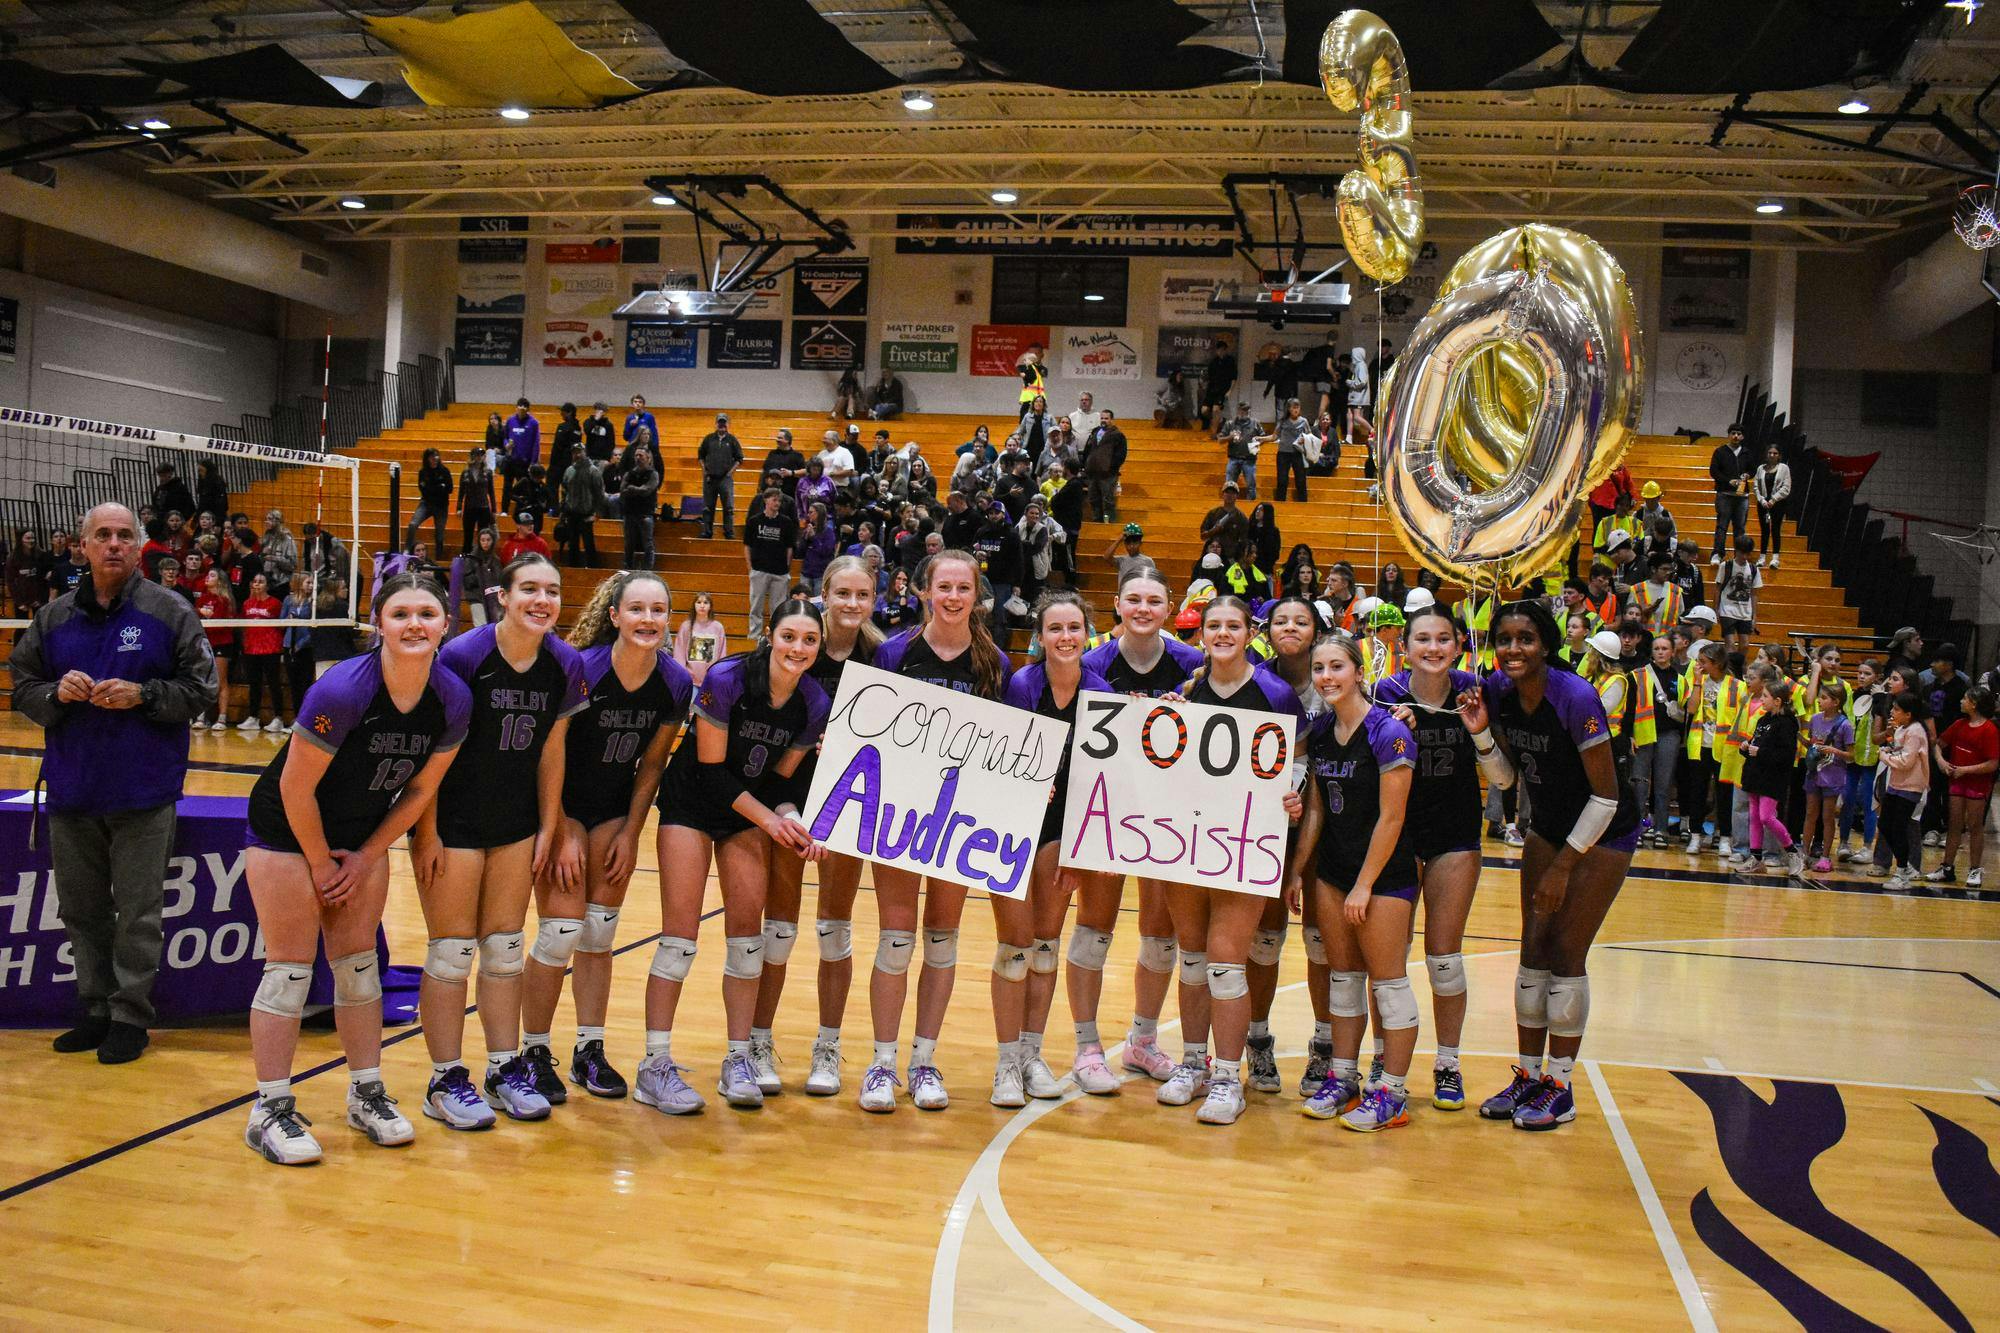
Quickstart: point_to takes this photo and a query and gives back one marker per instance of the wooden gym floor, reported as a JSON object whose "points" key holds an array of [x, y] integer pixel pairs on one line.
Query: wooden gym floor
{"points": [[1789, 1112]]}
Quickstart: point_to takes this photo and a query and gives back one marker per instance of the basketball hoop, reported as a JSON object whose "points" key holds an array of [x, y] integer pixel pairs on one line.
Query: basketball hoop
{"points": [[1975, 219]]}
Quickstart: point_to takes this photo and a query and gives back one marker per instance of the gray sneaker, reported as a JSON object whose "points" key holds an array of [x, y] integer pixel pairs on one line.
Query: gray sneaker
{"points": [[511, 1088], [738, 1082], [1319, 1063], [764, 1060], [660, 1086], [1263, 1053]]}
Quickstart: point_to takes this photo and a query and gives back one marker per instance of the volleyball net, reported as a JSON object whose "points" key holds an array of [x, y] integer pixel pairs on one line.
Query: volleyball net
{"points": [[56, 468]]}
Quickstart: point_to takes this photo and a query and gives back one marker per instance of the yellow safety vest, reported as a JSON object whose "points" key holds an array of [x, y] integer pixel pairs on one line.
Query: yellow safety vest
{"points": [[1663, 614], [1032, 391], [1728, 744], [1383, 660], [1478, 621], [1611, 523], [1645, 726]]}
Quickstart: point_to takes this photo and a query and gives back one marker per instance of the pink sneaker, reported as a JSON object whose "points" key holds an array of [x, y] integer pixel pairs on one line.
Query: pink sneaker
{"points": [[1822, 866], [1146, 1057], [1093, 1074]]}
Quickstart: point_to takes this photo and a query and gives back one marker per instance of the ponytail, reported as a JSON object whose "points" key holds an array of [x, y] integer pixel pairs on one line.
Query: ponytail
{"points": [[757, 662], [988, 666]]}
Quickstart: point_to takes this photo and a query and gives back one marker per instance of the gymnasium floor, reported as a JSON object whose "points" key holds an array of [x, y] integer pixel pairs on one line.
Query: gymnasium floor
{"points": [[1789, 1111]]}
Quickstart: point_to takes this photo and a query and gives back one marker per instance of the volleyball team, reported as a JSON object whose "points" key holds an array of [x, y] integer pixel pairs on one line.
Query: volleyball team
{"points": [[521, 767]]}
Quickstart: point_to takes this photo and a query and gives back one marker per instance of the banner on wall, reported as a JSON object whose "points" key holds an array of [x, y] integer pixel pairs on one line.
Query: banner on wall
{"points": [[582, 289], [1185, 792], [597, 250], [578, 342], [1704, 289], [1100, 354], [10, 328], [832, 287], [492, 289], [660, 346], [909, 345], [493, 240], [828, 344], [1184, 297], [934, 781], [1696, 381], [745, 344], [1085, 234], [1191, 349], [996, 348], [487, 342]]}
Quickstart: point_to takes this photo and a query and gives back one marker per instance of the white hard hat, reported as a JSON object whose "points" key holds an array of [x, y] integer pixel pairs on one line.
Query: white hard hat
{"points": [[1607, 643]]}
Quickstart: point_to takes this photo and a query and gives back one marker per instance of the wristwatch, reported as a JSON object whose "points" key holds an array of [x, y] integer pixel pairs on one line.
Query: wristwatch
{"points": [[149, 694]]}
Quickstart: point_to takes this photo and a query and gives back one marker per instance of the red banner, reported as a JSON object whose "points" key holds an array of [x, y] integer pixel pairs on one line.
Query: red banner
{"points": [[603, 250], [996, 347], [1849, 470]]}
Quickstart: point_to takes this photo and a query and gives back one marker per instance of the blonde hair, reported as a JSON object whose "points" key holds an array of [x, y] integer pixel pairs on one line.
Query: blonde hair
{"points": [[593, 624], [986, 660], [870, 634]]}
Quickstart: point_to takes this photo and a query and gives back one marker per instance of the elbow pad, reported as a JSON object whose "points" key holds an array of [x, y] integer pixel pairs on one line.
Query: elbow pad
{"points": [[1493, 762], [1590, 825]]}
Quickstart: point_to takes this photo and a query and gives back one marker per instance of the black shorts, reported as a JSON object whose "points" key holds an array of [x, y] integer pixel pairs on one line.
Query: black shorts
{"points": [[1436, 832], [1052, 823], [590, 813], [227, 652], [496, 823], [1731, 625], [685, 801]]}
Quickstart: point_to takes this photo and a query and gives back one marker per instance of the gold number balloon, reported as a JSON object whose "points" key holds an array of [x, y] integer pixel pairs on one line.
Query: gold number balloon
{"points": [[1381, 203], [1517, 393]]}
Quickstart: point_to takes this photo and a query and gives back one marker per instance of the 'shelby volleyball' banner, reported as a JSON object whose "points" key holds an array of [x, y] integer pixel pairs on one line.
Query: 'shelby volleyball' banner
{"points": [[933, 781], [1185, 792]]}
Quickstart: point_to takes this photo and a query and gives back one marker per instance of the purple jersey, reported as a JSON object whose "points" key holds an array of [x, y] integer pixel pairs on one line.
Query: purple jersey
{"points": [[1177, 662], [759, 733], [1828, 772], [1264, 692], [1349, 776], [607, 739], [376, 750], [1547, 747], [489, 799], [1029, 690], [910, 654]]}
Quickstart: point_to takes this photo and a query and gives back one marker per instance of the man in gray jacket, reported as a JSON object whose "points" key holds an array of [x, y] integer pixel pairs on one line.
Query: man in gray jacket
{"points": [[720, 454], [582, 500], [112, 672]]}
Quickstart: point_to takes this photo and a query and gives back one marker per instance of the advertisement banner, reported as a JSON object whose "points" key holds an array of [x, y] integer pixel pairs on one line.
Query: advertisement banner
{"points": [[598, 250], [491, 240], [492, 289], [832, 287], [828, 344], [487, 342], [913, 346], [1185, 792], [962, 792], [745, 344], [660, 346], [581, 289], [1085, 234], [997, 347], [578, 342], [10, 328], [1191, 350], [1100, 354], [1184, 297], [1704, 289]]}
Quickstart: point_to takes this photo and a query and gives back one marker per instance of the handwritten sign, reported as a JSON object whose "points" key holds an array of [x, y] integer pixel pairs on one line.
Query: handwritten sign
{"points": [[1185, 792], [933, 781]]}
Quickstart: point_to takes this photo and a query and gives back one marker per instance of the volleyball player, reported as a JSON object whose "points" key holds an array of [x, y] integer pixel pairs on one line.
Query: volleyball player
{"points": [[617, 749], [495, 828], [1215, 926], [1143, 661], [1292, 627], [375, 736], [730, 795], [1583, 828], [1028, 929], [847, 589], [1358, 847], [1445, 807], [953, 651]]}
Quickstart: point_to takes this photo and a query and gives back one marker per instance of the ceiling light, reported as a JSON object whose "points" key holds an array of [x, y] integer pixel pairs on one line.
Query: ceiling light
{"points": [[1854, 106], [513, 113], [916, 99], [1092, 296], [354, 202], [1770, 206], [665, 200], [1004, 196], [155, 123]]}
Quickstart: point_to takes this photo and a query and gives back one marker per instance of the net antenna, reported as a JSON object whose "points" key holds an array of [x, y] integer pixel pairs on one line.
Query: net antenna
{"points": [[55, 468], [746, 248]]}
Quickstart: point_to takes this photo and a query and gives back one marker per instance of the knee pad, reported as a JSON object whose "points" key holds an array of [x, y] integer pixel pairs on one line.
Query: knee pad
{"points": [[1315, 946], [836, 940], [1347, 994], [556, 940], [357, 979], [1228, 981], [1569, 1005], [1010, 962], [1531, 997], [1266, 948], [672, 958], [893, 950], [744, 959], [600, 929], [282, 989], [1156, 953], [1396, 1003], [1089, 949], [500, 953], [778, 939], [940, 948], [1042, 958], [1194, 968], [450, 959], [1447, 973]]}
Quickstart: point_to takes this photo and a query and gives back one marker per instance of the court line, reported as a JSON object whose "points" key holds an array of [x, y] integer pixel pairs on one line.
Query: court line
{"points": [[1811, 962], [1692, 1299], [68, 1169]]}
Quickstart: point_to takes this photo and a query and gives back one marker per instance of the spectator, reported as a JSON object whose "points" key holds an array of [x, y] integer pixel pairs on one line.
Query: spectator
{"points": [[1262, 540], [1084, 419], [1769, 757], [1039, 536], [885, 400], [211, 491], [263, 653], [960, 524], [784, 465], [1618, 518], [1652, 513], [1732, 483], [847, 395], [1034, 375], [1300, 575], [1390, 586], [600, 441], [1280, 374], [1320, 368], [1337, 596], [1773, 486], [66, 564], [582, 499], [1066, 508], [1659, 731], [170, 493], [720, 453], [857, 451], [923, 484], [569, 434], [523, 436], [1218, 378], [535, 496], [1241, 434], [241, 563], [895, 487], [819, 543], [213, 602], [638, 504], [639, 417], [1226, 523], [322, 554], [115, 762], [1829, 746], [1906, 754], [524, 540], [1293, 430], [1659, 600], [496, 442], [280, 552], [297, 656], [999, 552], [1604, 499], [1032, 435], [701, 641], [27, 574], [433, 499], [813, 488], [334, 643], [1209, 565], [981, 444], [1328, 435], [1360, 393], [836, 462], [1736, 590], [898, 607], [1622, 556], [1170, 408], [771, 534], [475, 500], [1968, 754], [479, 578]]}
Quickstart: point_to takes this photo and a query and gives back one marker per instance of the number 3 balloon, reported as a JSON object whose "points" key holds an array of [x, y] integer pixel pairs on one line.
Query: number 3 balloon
{"points": [[1380, 204], [1517, 393]]}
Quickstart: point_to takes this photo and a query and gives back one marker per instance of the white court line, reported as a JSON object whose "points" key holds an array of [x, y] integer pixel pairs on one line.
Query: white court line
{"points": [[1712, 1063], [1984, 1086], [1649, 1199]]}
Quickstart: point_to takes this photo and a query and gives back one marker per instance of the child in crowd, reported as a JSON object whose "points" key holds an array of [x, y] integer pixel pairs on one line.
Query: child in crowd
{"points": [[1831, 738], [1969, 751], [1767, 777], [1907, 755]]}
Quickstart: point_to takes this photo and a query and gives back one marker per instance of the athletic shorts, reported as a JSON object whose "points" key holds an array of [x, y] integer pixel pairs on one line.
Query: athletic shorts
{"points": [[687, 802], [1627, 842], [1406, 892], [1440, 832], [590, 814], [494, 823], [1731, 625]]}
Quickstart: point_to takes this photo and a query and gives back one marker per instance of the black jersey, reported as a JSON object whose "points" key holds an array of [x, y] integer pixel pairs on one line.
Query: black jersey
{"points": [[1446, 804], [1349, 774], [1177, 662], [910, 654], [376, 750], [488, 798], [608, 738], [1029, 690], [759, 735], [1547, 748], [1264, 692]]}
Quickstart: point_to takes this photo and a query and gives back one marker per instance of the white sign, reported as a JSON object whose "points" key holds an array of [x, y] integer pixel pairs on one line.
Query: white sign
{"points": [[1185, 792], [492, 289], [1100, 354], [582, 289], [933, 781], [1184, 297], [1696, 381]]}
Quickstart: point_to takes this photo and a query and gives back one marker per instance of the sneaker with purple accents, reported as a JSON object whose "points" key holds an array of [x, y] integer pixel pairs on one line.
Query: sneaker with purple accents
{"points": [[1380, 1109], [1319, 1063], [661, 1087], [738, 1082], [542, 1071], [927, 1088], [1502, 1105], [1188, 1081], [1336, 1096], [589, 1070], [1551, 1105], [452, 1099], [878, 1089], [512, 1088]]}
